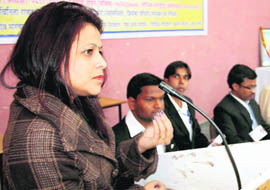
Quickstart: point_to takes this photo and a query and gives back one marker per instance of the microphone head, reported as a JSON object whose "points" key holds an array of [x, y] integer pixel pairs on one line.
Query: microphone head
{"points": [[170, 90], [167, 88]]}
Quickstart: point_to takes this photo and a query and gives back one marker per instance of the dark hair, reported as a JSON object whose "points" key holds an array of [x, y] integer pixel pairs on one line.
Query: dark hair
{"points": [[140, 80], [171, 69], [43, 45], [238, 73]]}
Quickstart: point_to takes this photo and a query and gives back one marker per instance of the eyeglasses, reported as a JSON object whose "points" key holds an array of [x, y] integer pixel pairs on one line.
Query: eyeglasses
{"points": [[248, 87]]}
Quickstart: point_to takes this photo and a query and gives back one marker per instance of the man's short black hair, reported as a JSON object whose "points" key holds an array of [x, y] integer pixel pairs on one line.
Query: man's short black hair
{"points": [[140, 80], [238, 73], [171, 69]]}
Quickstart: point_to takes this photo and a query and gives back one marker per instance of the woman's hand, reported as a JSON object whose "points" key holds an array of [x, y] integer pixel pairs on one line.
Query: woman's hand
{"points": [[154, 185], [160, 133]]}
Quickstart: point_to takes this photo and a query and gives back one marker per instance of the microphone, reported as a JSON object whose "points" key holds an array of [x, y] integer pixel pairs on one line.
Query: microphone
{"points": [[170, 90]]}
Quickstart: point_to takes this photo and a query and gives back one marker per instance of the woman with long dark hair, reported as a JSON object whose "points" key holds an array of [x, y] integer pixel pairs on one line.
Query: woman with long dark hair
{"points": [[57, 137]]}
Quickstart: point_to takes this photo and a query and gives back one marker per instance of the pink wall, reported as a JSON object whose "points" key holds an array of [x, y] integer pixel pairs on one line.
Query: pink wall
{"points": [[233, 37]]}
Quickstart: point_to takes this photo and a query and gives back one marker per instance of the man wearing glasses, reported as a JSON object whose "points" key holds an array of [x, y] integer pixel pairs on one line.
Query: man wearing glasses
{"points": [[238, 114]]}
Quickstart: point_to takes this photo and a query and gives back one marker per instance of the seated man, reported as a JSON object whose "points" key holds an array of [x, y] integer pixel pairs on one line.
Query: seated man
{"points": [[187, 132], [145, 100], [238, 113]]}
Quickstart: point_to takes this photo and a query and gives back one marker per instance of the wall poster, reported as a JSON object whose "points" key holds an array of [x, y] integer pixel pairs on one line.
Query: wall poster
{"points": [[122, 18], [265, 46]]}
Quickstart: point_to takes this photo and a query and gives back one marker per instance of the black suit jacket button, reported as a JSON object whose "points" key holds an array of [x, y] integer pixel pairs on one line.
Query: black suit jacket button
{"points": [[115, 173]]}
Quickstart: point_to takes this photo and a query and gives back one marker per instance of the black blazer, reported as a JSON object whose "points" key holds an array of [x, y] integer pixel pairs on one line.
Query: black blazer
{"points": [[181, 134], [234, 120], [121, 133]]}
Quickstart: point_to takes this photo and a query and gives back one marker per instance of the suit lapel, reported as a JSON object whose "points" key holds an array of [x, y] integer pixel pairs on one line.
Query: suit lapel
{"points": [[174, 116], [192, 118], [87, 139], [255, 110], [124, 129], [244, 112], [74, 132]]}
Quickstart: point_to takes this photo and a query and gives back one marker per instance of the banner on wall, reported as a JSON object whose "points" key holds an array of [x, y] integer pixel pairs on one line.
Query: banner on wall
{"points": [[122, 18], [265, 46]]}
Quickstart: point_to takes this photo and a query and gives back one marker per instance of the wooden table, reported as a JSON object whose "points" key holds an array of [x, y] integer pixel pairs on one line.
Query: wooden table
{"points": [[106, 102], [1, 143]]}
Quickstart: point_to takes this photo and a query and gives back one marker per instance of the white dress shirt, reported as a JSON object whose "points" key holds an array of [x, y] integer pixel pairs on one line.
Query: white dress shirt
{"points": [[249, 109], [135, 127], [184, 114]]}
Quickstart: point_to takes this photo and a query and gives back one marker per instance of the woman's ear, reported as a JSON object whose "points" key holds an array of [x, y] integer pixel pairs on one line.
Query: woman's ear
{"points": [[131, 103]]}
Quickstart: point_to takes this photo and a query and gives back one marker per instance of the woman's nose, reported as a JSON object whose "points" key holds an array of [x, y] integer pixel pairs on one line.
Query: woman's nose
{"points": [[101, 62]]}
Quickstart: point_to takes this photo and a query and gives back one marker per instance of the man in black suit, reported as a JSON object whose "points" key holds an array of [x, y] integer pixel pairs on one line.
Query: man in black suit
{"points": [[187, 132], [238, 113], [145, 100]]}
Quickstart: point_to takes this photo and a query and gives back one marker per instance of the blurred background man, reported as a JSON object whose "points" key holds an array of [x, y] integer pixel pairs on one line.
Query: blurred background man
{"points": [[187, 131], [238, 114]]}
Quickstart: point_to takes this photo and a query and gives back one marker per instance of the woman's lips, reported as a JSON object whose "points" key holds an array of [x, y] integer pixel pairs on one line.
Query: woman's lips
{"points": [[99, 77]]}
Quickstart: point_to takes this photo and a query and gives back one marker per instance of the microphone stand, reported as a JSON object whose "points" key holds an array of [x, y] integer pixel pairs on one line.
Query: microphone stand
{"points": [[170, 90]]}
